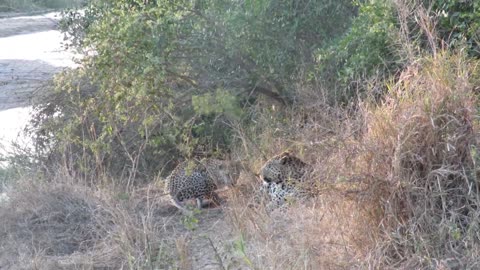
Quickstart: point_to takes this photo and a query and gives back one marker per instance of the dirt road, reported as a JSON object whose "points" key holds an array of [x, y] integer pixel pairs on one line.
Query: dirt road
{"points": [[13, 26], [30, 54]]}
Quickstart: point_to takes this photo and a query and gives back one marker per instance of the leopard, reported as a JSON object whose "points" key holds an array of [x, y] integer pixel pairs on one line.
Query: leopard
{"points": [[284, 179], [199, 180]]}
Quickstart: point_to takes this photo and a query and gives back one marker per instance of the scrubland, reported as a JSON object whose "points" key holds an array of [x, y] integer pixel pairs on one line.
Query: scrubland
{"points": [[385, 108]]}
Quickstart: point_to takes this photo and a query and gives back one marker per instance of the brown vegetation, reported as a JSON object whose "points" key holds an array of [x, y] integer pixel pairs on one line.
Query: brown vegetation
{"points": [[397, 182], [396, 187]]}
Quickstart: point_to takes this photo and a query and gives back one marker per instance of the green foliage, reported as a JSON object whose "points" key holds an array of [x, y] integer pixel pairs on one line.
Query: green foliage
{"points": [[240, 247], [459, 22], [366, 48], [371, 46], [190, 221], [220, 101], [7, 176], [161, 80], [206, 44]]}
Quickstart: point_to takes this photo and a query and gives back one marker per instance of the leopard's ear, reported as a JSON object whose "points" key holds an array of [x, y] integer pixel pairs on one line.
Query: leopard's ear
{"points": [[284, 157]]}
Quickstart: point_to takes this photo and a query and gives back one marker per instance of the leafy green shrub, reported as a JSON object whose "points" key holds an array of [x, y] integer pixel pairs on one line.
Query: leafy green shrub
{"points": [[374, 44], [165, 79], [364, 50], [254, 45], [459, 22]]}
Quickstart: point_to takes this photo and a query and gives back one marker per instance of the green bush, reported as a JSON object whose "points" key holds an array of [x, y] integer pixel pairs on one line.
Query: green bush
{"points": [[366, 49], [459, 23], [373, 45], [240, 46], [166, 79]]}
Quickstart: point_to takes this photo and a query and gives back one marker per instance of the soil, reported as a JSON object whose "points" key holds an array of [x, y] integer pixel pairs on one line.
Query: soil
{"points": [[12, 24], [25, 57], [30, 54]]}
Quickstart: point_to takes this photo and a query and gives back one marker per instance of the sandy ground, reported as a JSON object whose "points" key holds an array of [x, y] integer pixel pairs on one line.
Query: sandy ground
{"points": [[30, 54]]}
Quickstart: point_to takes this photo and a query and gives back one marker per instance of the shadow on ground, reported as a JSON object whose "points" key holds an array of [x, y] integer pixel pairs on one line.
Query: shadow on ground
{"points": [[20, 79]]}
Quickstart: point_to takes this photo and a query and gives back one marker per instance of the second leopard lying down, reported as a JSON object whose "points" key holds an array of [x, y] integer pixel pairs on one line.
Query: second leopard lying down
{"points": [[285, 178], [199, 180]]}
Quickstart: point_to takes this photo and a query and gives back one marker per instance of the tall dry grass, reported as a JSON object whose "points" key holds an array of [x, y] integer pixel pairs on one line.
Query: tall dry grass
{"points": [[397, 179], [421, 145], [326, 232], [397, 173], [62, 225]]}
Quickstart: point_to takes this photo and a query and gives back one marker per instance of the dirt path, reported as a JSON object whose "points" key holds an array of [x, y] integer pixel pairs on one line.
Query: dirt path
{"points": [[205, 242], [19, 25], [209, 245], [30, 53], [19, 79]]}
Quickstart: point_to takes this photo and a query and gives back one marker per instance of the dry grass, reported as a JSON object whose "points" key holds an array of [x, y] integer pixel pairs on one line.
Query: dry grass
{"points": [[63, 225], [41, 222], [322, 234], [420, 147], [397, 188], [397, 179], [60, 225]]}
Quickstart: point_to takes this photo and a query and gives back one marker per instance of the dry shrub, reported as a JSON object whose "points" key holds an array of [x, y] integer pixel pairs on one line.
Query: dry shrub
{"points": [[60, 225], [417, 161], [42, 222], [397, 179], [322, 233]]}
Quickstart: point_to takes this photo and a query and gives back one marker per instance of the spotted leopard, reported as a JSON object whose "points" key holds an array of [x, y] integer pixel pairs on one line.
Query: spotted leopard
{"points": [[199, 180], [285, 179]]}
